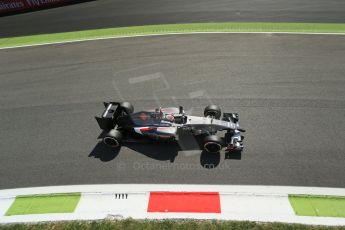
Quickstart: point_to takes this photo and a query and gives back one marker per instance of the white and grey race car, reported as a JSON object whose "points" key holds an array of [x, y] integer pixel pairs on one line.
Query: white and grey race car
{"points": [[120, 123]]}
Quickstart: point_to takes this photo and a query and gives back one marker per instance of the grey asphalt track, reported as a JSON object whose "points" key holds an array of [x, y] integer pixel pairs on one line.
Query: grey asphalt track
{"points": [[288, 89], [116, 13]]}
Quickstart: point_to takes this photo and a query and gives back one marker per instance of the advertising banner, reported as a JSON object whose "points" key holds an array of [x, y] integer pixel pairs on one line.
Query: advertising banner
{"points": [[14, 6]]}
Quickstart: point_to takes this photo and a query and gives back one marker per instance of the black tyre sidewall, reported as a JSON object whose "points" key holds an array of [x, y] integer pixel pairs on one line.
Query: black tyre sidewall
{"points": [[127, 107], [211, 141], [213, 110], [113, 138]]}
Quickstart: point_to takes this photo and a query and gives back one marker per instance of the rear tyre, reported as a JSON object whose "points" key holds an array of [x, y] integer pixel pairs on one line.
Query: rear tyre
{"points": [[212, 144], [127, 107], [113, 138], [213, 111]]}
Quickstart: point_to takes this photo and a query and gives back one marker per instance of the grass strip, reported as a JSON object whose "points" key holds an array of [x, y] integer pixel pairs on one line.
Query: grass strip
{"points": [[174, 28], [326, 206], [130, 224], [41, 204]]}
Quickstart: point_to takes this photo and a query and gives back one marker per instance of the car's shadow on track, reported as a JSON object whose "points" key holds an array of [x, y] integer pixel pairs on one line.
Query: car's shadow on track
{"points": [[157, 151], [209, 160], [103, 152], [164, 151]]}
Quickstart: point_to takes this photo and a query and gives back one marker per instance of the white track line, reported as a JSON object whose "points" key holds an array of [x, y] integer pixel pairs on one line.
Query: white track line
{"points": [[164, 34], [144, 188]]}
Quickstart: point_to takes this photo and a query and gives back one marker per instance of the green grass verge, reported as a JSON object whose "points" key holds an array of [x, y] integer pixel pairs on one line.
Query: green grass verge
{"points": [[326, 206], [130, 224], [40, 204], [174, 28]]}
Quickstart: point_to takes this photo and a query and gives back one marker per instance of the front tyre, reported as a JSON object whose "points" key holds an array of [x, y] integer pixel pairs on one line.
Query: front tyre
{"points": [[213, 111], [212, 144], [113, 138]]}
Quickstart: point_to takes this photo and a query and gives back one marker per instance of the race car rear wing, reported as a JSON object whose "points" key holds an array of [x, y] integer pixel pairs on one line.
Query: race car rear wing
{"points": [[108, 117]]}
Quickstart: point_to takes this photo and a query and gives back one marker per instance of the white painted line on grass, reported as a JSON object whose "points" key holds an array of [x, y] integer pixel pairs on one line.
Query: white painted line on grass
{"points": [[164, 34]]}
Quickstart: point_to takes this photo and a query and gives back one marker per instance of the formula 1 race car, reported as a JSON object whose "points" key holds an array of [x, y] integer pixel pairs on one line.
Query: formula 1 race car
{"points": [[119, 123]]}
